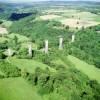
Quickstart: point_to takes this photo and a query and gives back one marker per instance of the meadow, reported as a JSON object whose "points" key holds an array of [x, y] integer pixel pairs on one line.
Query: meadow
{"points": [[17, 89]]}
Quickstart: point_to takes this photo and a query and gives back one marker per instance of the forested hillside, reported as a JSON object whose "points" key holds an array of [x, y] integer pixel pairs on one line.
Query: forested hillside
{"points": [[39, 30], [86, 46]]}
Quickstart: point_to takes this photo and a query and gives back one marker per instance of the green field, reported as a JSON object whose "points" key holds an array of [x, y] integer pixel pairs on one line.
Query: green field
{"points": [[29, 65], [91, 71], [17, 89]]}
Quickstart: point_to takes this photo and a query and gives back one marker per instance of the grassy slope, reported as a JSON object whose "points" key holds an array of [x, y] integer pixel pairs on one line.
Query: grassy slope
{"points": [[17, 89], [1, 73], [29, 65], [91, 71], [59, 62]]}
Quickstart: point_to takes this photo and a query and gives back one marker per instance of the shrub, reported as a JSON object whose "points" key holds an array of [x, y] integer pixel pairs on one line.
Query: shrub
{"points": [[1, 76], [95, 88], [9, 69], [22, 53], [2, 56]]}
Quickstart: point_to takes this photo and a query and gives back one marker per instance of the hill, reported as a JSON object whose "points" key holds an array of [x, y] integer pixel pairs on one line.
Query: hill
{"points": [[86, 40], [31, 68], [38, 29]]}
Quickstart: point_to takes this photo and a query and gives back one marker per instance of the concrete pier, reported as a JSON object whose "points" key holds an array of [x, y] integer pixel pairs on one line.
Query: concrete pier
{"points": [[73, 37], [60, 43], [30, 49], [9, 52], [46, 46]]}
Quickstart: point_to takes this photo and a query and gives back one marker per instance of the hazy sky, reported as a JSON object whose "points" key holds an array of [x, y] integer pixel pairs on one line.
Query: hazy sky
{"points": [[42, 0]]}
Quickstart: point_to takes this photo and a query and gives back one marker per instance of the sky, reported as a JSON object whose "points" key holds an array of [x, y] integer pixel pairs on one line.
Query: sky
{"points": [[18, 1]]}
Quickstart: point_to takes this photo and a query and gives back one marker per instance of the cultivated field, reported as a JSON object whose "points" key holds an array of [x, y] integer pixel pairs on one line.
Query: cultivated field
{"points": [[71, 22], [72, 18], [49, 17], [60, 10]]}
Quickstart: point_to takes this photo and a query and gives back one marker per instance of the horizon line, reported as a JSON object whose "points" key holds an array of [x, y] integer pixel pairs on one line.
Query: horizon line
{"points": [[49, 1]]}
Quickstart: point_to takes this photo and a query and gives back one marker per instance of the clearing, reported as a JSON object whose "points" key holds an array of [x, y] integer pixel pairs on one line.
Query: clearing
{"points": [[49, 17], [3, 31], [91, 71]]}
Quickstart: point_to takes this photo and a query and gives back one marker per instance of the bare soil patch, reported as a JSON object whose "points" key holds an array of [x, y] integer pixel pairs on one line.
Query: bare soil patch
{"points": [[3, 31], [49, 17], [78, 23]]}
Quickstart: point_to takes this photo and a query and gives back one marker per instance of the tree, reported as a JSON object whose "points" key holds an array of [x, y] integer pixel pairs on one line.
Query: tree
{"points": [[2, 56], [24, 73], [1, 21], [15, 40], [67, 27]]}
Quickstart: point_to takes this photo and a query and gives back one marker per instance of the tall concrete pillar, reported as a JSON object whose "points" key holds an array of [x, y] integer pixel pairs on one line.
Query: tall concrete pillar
{"points": [[46, 46], [9, 52], [73, 38], [60, 43], [30, 49]]}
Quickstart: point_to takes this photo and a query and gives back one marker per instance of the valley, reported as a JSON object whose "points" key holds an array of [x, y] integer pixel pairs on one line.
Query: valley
{"points": [[50, 51]]}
